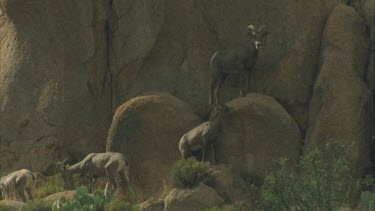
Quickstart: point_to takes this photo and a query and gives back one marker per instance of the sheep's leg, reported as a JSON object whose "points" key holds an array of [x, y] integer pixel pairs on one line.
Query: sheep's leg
{"points": [[245, 84], [93, 182], [213, 152], [203, 153], [28, 190], [213, 83], [110, 170], [22, 195], [218, 85]]}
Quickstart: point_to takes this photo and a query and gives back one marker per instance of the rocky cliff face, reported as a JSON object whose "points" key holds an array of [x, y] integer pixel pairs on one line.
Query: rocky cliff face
{"points": [[65, 66]]}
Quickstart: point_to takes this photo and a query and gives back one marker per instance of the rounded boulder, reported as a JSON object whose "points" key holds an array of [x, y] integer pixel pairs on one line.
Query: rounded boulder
{"points": [[255, 134], [147, 129]]}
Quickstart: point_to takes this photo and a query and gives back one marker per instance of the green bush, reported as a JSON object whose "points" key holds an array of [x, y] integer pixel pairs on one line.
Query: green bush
{"points": [[5, 208], [368, 198], [320, 181], [83, 201], [189, 173], [121, 206], [49, 185], [37, 205], [227, 207]]}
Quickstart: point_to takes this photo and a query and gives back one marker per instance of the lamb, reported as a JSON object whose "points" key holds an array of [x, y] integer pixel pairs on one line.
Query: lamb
{"points": [[234, 61], [203, 135], [113, 165], [18, 182]]}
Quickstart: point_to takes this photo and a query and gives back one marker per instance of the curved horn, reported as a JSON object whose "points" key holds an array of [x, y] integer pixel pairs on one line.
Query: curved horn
{"points": [[261, 27], [252, 27]]}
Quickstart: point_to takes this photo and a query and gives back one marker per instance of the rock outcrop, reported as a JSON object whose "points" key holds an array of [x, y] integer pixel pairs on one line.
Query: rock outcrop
{"points": [[197, 198], [148, 129], [49, 51], [342, 105], [66, 66], [152, 205], [230, 186], [255, 134], [8, 205]]}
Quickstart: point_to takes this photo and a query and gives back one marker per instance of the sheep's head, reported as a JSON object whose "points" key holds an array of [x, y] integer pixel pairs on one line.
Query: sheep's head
{"points": [[66, 175], [258, 35]]}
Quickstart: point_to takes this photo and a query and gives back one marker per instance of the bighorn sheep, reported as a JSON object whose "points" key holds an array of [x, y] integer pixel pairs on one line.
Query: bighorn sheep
{"points": [[200, 137], [18, 182], [238, 60], [113, 165]]}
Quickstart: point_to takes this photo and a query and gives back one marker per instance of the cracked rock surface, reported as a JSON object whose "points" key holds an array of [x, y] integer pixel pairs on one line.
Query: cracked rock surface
{"points": [[65, 67]]}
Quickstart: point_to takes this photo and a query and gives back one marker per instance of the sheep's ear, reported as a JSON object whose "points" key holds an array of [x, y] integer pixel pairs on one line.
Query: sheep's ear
{"points": [[251, 29]]}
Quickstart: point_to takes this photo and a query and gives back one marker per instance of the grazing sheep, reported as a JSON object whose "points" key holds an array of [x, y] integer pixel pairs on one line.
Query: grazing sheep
{"points": [[113, 165], [200, 137], [17, 183], [235, 61]]}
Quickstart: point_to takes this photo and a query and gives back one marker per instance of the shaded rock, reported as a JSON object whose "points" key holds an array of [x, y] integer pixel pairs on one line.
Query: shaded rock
{"points": [[46, 107], [148, 129], [8, 205], [192, 31], [230, 186], [58, 92], [341, 106], [255, 133], [366, 9], [197, 198], [152, 205], [67, 194]]}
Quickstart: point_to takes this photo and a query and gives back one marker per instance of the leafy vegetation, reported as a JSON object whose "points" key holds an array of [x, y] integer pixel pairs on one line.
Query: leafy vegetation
{"points": [[49, 185], [83, 201], [5, 208], [189, 173], [320, 181], [37, 205], [226, 208], [368, 198], [121, 206]]}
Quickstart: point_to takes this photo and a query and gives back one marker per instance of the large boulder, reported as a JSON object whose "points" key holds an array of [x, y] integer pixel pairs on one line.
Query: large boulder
{"points": [[58, 92], [230, 186], [177, 61], [148, 129], [152, 205], [255, 134], [341, 105], [197, 198], [47, 109], [8, 205], [66, 194]]}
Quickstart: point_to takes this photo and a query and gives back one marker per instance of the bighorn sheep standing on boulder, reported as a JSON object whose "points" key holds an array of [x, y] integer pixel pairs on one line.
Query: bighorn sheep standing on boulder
{"points": [[113, 165], [238, 60], [18, 182], [205, 134]]}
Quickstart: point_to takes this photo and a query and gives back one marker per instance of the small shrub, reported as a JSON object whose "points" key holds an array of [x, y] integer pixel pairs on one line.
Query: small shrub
{"points": [[368, 199], [49, 185], [5, 208], [320, 181], [121, 206], [188, 173], [37, 205], [83, 201], [227, 208]]}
